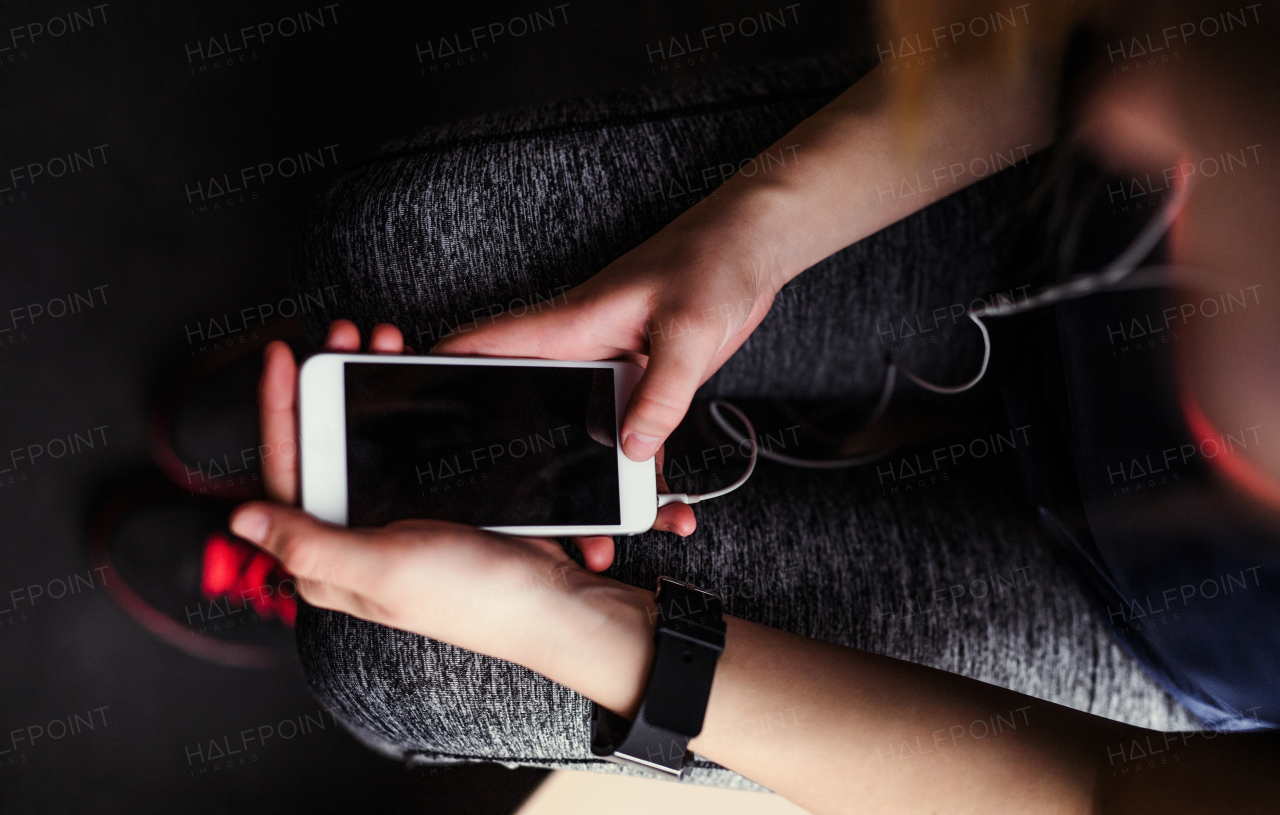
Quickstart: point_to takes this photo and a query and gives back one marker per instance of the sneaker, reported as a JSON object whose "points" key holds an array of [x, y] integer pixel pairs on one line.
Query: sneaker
{"points": [[204, 426], [171, 563]]}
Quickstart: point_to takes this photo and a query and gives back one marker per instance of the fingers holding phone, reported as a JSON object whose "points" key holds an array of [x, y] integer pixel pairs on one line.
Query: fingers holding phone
{"points": [[280, 402], [278, 397], [487, 592], [679, 304]]}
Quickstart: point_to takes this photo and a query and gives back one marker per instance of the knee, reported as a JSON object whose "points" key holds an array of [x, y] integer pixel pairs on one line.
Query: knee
{"points": [[430, 242], [415, 696]]}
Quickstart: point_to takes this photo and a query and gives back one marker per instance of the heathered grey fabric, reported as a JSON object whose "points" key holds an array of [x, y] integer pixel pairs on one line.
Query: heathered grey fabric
{"points": [[489, 213], [477, 214]]}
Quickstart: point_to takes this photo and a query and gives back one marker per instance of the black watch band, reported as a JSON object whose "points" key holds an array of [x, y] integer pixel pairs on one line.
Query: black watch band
{"points": [[688, 640]]}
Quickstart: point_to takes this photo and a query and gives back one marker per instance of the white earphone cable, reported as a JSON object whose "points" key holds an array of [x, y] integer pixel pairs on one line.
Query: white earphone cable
{"points": [[682, 498], [1117, 272]]}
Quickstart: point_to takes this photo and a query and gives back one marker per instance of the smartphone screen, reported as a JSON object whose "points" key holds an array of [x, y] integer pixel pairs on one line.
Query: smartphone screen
{"points": [[484, 445]]}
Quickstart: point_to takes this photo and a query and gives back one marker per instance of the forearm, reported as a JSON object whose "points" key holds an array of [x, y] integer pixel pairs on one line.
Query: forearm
{"points": [[847, 172], [834, 729], [839, 730]]}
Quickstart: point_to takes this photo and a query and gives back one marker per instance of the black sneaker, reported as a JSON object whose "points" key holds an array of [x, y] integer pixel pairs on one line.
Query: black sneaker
{"points": [[204, 426], [171, 563]]}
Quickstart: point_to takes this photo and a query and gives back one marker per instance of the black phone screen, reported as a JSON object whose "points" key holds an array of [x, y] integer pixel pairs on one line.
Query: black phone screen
{"points": [[485, 445]]}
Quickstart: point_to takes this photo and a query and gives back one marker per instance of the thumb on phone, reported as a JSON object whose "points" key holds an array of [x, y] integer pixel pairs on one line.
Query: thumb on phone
{"points": [[677, 366]]}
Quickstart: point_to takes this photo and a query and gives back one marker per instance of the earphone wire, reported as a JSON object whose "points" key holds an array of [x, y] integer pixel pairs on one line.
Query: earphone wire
{"points": [[1080, 286], [1119, 271], [716, 404]]}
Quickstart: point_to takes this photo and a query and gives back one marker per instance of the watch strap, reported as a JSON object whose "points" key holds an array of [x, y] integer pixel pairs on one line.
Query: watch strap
{"points": [[688, 641]]}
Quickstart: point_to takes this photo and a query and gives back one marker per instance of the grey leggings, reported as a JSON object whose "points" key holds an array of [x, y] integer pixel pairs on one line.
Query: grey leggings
{"points": [[946, 569]]}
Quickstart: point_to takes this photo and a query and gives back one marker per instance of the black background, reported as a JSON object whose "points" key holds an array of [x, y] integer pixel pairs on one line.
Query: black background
{"points": [[128, 84]]}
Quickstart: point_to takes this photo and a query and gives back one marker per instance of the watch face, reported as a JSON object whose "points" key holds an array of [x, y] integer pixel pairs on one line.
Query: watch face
{"points": [[677, 600]]}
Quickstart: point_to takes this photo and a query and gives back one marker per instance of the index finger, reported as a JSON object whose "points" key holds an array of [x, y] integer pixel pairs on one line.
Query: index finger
{"points": [[277, 401], [561, 329], [306, 547], [277, 391]]}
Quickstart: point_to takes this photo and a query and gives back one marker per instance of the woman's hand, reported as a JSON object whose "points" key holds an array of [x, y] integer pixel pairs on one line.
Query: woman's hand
{"points": [[277, 398], [683, 301], [679, 304], [518, 599], [521, 599]]}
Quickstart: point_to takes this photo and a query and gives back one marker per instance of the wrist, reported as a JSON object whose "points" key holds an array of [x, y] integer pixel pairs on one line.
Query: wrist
{"points": [[602, 640], [743, 230]]}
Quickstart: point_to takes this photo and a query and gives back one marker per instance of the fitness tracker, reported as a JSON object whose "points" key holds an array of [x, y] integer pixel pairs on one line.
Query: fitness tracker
{"points": [[688, 640]]}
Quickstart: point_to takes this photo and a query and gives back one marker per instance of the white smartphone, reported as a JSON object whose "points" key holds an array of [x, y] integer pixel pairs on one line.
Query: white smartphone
{"points": [[522, 446]]}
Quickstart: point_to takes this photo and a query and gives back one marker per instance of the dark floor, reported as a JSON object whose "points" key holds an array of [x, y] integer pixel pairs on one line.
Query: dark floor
{"points": [[147, 92]]}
